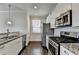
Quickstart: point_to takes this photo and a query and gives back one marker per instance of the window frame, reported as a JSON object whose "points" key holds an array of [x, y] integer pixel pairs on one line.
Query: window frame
{"points": [[35, 27]]}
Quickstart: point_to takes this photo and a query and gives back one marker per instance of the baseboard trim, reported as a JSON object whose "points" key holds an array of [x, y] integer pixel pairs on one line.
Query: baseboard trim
{"points": [[21, 50], [34, 41]]}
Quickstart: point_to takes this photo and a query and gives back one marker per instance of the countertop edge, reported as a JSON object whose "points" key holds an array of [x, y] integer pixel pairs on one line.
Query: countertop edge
{"points": [[11, 40]]}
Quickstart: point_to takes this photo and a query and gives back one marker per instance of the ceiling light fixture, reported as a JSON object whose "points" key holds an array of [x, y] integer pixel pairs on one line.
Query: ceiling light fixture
{"points": [[9, 22], [9, 11], [35, 7]]}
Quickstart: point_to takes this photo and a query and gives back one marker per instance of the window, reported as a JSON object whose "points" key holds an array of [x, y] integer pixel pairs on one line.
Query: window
{"points": [[36, 26]]}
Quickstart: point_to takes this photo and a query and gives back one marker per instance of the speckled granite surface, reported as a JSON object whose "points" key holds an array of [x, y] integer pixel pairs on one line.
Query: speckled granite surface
{"points": [[8, 40], [73, 47], [4, 40]]}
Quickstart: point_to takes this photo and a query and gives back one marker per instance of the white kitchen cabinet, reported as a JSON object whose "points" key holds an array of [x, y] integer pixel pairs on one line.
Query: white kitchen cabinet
{"points": [[48, 19], [62, 8], [20, 44], [11, 48], [53, 18], [58, 10], [64, 51], [75, 14], [2, 50]]}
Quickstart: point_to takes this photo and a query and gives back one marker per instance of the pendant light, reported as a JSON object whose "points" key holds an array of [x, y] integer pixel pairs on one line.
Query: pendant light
{"points": [[9, 21]]}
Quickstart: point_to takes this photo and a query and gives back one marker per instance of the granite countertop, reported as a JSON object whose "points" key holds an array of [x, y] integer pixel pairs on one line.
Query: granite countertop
{"points": [[4, 41], [73, 47]]}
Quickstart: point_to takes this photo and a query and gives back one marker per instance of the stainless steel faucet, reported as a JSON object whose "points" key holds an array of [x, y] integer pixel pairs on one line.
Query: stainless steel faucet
{"points": [[8, 32]]}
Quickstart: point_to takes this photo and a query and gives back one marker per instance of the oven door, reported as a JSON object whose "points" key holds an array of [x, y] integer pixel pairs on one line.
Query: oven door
{"points": [[52, 50]]}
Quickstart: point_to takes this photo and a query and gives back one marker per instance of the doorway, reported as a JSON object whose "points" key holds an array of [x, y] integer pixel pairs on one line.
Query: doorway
{"points": [[36, 28]]}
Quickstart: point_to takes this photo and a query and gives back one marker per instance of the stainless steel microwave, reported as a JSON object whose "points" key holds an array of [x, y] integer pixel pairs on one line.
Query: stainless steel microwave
{"points": [[65, 19]]}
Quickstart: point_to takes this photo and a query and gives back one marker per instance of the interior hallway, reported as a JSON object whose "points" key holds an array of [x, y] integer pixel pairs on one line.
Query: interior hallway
{"points": [[34, 48]]}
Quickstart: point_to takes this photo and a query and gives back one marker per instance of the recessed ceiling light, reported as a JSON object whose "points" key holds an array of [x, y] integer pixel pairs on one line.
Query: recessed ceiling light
{"points": [[35, 7]]}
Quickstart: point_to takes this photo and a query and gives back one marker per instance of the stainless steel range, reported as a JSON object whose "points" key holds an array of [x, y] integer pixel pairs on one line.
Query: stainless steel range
{"points": [[65, 37]]}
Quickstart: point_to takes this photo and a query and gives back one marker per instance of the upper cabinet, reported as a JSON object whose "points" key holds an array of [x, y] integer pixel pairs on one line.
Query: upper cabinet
{"points": [[62, 8], [58, 10], [47, 19], [52, 19], [75, 14]]}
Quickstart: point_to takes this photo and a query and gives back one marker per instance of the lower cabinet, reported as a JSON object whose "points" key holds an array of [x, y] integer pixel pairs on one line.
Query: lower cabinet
{"points": [[11, 48], [64, 51]]}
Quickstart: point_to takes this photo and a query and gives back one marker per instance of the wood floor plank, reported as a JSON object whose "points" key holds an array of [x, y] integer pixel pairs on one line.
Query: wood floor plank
{"points": [[34, 48]]}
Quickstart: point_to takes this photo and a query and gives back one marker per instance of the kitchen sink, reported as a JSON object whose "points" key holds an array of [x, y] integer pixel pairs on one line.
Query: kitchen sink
{"points": [[7, 38]]}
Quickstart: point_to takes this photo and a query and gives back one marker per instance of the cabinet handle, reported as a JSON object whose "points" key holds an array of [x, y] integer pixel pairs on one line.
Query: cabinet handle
{"points": [[2, 47]]}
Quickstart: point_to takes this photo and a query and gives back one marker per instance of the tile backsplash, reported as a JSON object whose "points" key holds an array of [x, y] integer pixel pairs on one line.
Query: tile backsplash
{"points": [[68, 29]]}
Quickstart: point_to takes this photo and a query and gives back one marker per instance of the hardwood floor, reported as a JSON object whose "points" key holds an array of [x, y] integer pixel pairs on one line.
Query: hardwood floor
{"points": [[34, 48]]}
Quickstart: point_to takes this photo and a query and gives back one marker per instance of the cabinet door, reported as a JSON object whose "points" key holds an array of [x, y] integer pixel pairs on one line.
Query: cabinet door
{"points": [[13, 47], [64, 51], [75, 14], [53, 17], [2, 50], [62, 8], [20, 44], [48, 19], [52, 23]]}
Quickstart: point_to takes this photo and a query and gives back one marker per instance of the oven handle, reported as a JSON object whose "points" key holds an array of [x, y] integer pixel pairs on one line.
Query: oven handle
{"points": [[53, 46]]}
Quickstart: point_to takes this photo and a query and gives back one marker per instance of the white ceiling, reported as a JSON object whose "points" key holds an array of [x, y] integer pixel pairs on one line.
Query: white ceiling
{"points": [[42, 10]]}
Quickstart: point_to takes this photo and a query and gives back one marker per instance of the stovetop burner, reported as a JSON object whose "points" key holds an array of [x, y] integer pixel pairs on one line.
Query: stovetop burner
{"points": [[62, 40], [65, 37]]}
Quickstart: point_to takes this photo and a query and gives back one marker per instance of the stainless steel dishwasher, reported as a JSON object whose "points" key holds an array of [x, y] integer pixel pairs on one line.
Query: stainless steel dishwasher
{"points": [[24, 41]]}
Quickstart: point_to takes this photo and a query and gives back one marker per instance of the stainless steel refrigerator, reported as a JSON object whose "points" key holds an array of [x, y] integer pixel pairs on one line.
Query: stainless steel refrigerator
{"points": [[46, 30]]}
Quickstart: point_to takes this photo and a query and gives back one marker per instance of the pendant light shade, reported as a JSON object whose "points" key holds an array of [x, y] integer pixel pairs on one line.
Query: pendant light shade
{"points": [[9, 20]]}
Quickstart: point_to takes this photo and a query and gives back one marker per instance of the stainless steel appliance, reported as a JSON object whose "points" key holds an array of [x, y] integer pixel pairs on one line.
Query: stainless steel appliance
{"points": [[67, 18], [46, 31], [64, 19], [66, 37], [59, 21], [53, 47], [24, 41]]}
